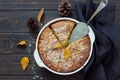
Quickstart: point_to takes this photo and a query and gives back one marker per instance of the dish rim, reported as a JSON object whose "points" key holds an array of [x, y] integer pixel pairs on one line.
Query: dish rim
{"points": [[41, 63]]}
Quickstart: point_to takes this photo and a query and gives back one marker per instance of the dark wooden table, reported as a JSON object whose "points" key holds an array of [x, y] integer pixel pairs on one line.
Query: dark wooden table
{"points": [[13, 28]]}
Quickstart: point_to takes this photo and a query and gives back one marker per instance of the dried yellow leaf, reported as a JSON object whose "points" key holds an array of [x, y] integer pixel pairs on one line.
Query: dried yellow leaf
{"points": [[40, 14], [22, 43], [24, 62], [67, 53]]}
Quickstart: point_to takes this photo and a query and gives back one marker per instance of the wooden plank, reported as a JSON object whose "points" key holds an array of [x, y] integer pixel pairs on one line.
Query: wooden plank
{"points": [[28, 1], [16, 77], [29, 7], [13, 68], [42, 1], [10, 66], [9, 41], [16, 21], [46, 1], [14, 58], [32, 78]]}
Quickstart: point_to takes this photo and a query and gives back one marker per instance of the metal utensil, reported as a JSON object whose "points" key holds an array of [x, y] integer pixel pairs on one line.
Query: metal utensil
{"points": [[81, 28], [102, 4]]}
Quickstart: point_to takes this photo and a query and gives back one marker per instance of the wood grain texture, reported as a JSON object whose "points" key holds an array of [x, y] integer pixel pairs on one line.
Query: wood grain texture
{"points": [[9, 41], [16, 21], [43, 1], [15, 78], [13, 28], [12, 67]]}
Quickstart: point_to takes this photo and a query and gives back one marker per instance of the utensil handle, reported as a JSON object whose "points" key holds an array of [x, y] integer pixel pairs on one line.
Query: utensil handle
{"points": [[102, 4], [37, 59]]}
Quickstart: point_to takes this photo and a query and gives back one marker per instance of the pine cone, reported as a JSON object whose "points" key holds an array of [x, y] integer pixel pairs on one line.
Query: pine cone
{"points": [[32, 23], [64, 8]]}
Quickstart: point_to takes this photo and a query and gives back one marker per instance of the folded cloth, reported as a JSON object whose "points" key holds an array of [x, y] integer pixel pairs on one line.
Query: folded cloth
{"points": [[104, 63]]}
